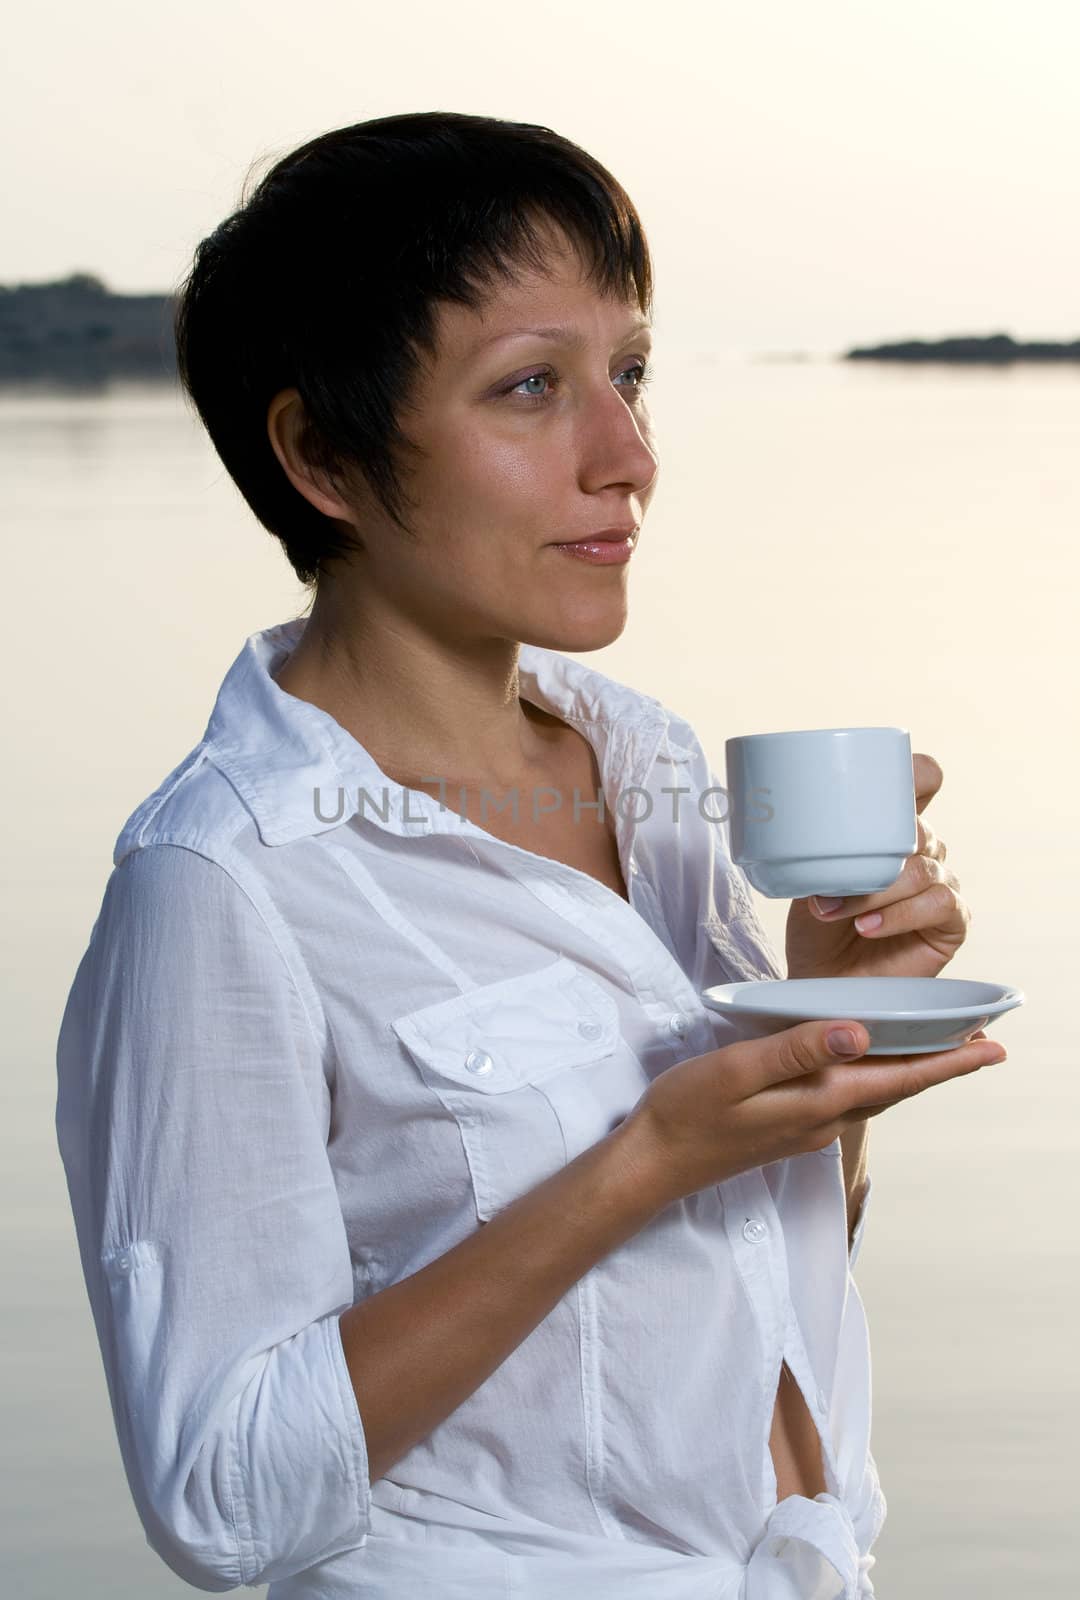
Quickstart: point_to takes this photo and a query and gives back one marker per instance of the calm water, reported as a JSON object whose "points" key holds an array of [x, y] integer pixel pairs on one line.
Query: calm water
{"points": [[828, 545]]}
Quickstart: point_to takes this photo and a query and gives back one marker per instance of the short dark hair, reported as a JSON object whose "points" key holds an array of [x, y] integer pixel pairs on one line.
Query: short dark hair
{"points": [[325, 279]]}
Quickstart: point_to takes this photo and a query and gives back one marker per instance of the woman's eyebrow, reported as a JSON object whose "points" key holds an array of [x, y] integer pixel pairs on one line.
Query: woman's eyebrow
{"points": [[570, 337]]}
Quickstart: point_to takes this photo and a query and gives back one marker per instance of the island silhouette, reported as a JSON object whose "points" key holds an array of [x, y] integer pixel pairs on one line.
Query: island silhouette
{"points": [[997, 348], [76, 331]]}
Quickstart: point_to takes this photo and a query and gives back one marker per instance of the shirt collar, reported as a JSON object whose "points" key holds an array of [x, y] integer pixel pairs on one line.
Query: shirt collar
{"points": [[276, 749]]}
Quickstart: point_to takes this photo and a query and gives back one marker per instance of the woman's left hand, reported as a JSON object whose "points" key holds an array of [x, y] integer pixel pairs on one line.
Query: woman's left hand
{"points": [[923, 921]]}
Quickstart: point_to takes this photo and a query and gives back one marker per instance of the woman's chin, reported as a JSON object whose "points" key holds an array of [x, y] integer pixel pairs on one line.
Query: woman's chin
{"points": [[592, 631]]}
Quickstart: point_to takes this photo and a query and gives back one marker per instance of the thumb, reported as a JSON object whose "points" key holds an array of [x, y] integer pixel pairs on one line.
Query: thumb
{"points": [[844, 1038], [811, 1045]]}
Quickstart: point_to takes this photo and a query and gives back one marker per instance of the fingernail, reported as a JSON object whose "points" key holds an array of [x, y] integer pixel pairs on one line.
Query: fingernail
{"points": [[992, 1061], [825, 904], [842, 1042], [868, 921]]}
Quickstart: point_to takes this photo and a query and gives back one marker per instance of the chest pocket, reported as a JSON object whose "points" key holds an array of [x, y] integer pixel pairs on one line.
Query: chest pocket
{"points": [[533, 1069]]}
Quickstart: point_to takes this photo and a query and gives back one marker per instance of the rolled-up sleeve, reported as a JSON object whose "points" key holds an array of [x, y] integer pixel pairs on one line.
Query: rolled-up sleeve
{"points": [[191, 1117]]}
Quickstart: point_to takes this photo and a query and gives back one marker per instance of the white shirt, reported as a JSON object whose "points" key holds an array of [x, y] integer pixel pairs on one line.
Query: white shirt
{"points": [[310, 1048]]}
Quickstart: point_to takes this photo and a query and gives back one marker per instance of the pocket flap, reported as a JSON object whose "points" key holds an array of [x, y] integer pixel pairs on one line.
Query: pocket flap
{"points": [[518, 1031]]}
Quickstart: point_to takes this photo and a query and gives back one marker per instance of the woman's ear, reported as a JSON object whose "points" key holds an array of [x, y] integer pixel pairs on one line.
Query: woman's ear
{"points": [[284, 426]]}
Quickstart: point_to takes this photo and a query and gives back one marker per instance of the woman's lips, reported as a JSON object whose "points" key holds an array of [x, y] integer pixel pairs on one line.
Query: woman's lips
{"points": [[602, 552]]}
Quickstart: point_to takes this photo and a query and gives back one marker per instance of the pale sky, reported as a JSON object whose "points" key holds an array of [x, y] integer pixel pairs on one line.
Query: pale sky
{"points": [[811, 173]]}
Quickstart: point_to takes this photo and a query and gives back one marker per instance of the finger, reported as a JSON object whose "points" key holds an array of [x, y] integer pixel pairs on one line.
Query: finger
{"points": [[928, 842], [851, 1119], [918, 874], [894, 1078], [791, 1054], [861, 1113], [928, 778], [939, 908]]}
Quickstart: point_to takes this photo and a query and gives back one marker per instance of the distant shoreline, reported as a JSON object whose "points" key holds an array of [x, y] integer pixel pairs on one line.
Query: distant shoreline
{"points": [[996, 349], [77, 332]]}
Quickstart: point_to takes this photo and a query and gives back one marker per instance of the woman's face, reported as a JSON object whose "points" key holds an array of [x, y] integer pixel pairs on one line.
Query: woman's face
{"points": [[528, 441]]}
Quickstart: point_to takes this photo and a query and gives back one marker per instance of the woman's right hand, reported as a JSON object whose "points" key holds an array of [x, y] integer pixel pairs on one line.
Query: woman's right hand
{"points": [[759, 1100]]}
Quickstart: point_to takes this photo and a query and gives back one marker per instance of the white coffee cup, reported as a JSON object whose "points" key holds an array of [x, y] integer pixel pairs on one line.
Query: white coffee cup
{"points": [[827, 811]]}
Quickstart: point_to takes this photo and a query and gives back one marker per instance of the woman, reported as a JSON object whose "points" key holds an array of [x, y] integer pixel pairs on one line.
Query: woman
{"points": [[439, 1241]]}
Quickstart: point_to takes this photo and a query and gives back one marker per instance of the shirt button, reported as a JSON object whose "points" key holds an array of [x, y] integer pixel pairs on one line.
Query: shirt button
{"points": [[590, 1030], [678, 1024], [755, 1230], [479, 1061], [124, 1263]]}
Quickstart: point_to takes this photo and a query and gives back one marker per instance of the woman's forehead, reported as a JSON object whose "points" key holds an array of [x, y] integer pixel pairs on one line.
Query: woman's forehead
{"points": [[561, 307]]}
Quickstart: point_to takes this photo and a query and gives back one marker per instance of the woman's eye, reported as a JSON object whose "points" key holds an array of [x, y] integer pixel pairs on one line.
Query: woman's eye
{"points": [[643, 371]]}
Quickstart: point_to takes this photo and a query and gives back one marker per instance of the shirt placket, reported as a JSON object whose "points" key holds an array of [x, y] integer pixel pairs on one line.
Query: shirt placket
{"points": [[754, 1232]]}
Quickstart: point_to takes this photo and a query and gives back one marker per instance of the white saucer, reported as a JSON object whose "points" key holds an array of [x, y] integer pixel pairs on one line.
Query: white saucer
{"points": [[904, 1016]]}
